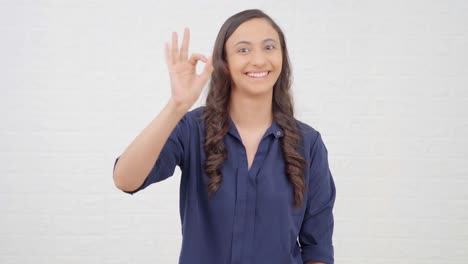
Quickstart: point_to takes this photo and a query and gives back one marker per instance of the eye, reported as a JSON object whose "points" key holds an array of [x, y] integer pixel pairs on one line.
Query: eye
{"points": [[243, 50], [270, 47]]}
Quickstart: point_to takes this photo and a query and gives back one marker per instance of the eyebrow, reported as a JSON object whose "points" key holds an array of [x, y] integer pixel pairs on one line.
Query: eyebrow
{"points": [[249, 43]]}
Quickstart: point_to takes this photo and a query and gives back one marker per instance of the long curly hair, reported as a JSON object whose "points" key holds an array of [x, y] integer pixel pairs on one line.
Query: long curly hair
{"points": [[217, 109]]}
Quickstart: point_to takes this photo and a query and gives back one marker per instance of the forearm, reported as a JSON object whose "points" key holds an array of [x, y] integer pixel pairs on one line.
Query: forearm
{"points": [[138, 159]]}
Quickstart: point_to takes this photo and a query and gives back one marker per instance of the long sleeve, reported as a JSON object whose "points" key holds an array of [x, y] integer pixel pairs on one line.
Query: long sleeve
{"points": [[316, 232], [172, 155]]}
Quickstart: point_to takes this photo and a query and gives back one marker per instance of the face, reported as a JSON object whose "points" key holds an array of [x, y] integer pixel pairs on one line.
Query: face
{"points": [[254, 57]]}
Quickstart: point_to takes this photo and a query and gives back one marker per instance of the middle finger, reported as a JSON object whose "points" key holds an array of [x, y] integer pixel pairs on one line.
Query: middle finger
{"points": [[185, 45]]}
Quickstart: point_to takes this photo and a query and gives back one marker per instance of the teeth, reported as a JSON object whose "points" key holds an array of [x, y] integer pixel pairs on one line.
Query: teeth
{"points": [[257, 75]]}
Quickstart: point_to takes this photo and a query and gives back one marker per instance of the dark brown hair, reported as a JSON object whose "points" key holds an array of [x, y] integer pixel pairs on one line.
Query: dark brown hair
{"points": [[217, 110]]}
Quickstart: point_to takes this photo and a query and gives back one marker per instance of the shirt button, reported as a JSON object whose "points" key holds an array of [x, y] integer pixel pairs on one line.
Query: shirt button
{"points": [[278, 133]]}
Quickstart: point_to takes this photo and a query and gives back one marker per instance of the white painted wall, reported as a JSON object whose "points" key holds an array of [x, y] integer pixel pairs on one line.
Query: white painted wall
{"points": [[385, 82]]}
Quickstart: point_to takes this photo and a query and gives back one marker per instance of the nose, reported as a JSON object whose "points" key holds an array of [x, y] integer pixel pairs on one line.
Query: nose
{"points": [[258, 58]]}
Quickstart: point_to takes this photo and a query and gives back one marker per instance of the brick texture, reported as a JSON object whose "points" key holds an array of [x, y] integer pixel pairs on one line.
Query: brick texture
{"points": [[385, 82]]}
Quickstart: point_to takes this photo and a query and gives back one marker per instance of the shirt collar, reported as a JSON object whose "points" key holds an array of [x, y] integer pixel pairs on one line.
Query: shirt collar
{"points": [[274, 129]]}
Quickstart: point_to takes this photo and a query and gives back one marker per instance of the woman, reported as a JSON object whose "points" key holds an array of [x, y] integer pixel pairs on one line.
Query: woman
{"points": [[256, 186]]}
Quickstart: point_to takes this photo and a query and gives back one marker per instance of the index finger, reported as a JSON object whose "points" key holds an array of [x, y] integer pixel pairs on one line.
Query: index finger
{"points": [[175, 48]]}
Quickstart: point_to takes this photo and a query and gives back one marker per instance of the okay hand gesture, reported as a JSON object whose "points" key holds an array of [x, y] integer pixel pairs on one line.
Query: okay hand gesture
{"points": [[186, 84]]}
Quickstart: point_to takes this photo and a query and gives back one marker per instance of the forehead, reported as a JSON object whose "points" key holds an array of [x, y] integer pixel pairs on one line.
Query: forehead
{"points": [[254, 30]]}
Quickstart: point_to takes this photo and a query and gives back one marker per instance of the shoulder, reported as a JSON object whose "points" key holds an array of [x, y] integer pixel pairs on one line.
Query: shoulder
{"points": [[196, 115], [308, 133], [312, 142], [192, 120]]}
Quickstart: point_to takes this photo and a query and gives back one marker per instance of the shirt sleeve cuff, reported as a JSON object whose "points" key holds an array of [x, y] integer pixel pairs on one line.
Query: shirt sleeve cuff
{"points": [[318, 253]]}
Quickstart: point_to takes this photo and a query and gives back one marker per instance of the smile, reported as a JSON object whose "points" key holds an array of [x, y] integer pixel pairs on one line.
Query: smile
{"points": [[257, 74]]}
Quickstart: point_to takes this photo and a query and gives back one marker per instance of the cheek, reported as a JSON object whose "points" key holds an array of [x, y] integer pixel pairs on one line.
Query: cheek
{"points": [[237, 70], [278, 61], [234, 64]]}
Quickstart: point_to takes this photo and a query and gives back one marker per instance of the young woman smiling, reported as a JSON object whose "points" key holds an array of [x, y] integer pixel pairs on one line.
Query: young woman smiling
{"points": [[256, 185]]}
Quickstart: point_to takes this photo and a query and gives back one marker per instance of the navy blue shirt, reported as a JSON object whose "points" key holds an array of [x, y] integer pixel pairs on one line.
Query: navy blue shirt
{"points": [[251, 219]]}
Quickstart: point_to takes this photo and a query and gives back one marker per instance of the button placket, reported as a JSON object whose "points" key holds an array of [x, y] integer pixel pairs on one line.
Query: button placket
{"points": [[238, 236]]}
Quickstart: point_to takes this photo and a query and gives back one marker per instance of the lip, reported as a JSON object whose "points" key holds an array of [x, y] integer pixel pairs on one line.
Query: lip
{"points": [[257, 71], [268, 73]]}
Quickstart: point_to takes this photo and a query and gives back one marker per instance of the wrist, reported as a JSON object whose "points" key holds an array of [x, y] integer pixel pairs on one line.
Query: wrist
{"points": [[177, 107]]}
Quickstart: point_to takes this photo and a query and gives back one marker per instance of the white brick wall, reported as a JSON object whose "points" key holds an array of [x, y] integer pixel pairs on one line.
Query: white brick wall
{"points": [[386, 83]]}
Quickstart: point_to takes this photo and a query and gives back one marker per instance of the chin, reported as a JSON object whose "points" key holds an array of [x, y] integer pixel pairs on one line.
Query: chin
{"points": [[260, 90]]}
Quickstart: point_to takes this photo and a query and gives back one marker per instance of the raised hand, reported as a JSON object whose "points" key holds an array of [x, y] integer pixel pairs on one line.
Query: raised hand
{"points": [[186, 84]]}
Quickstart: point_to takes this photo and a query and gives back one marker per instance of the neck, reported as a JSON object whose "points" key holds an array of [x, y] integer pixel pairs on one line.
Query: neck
{"points": [[251, 113]]}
